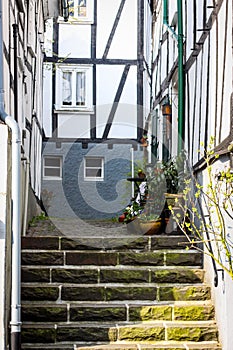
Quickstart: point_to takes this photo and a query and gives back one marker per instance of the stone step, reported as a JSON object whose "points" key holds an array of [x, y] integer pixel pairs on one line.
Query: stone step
{"points": [[120, 312], [160, 346], [146, 243], [150, 332], [112, 274], [111, 292], [124, 346], [83, 258]]}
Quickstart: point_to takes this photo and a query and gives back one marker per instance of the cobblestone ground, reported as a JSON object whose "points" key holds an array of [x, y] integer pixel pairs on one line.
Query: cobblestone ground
{"points": [[76, 227]]}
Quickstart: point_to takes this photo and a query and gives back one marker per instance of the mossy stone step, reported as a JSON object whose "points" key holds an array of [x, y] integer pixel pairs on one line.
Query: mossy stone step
{"points": [[118, 274], [117, 312], [138, 333], [104, 243], [155, 258], [119, 292]]}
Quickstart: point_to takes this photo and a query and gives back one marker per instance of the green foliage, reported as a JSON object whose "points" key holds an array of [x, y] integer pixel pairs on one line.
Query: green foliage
{"points": [[207, 211], [33, 222]]}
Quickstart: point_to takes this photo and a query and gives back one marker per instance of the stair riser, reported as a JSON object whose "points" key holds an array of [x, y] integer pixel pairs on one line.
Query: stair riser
{"points": [[119, 243], [181, 258], [124, 313], [132, 334], [118, 275], [96, 293]]}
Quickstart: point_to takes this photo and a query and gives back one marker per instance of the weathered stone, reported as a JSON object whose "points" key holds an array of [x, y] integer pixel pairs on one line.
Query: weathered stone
{"points": [[140, 334], [191, 334], [83, 334], [194, 313], [35, 275], [38, 335], [42, 258], [168, 242], [91, 258], [184, 293], [50, 243], [124, 276], [97, 313], [150, 313], [190, 258], [44, 313], [126, 243], [147, 258], [84, 243], [130, 293], [74, 276], [83, 293], [40, 293], [177, 276]]}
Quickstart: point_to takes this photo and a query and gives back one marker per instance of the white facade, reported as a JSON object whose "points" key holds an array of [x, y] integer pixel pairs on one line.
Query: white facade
{"points": [[22, 29], [207, 67]]}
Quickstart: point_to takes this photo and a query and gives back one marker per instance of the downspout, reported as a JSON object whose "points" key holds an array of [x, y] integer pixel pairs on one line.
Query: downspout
{"points": [[179, 39], [16, 237], [180, 78]]}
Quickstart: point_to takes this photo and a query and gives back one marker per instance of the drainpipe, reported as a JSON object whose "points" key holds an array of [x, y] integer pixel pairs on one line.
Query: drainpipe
{"points": [[16, 237], [179, 39], [180, 78]]}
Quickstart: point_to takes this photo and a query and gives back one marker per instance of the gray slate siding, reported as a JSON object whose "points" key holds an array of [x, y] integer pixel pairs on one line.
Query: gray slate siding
{"points": [[74, 196]]}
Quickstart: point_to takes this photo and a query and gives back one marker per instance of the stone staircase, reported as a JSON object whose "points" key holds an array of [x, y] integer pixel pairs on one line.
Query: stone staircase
{"points": [[128, 292]]}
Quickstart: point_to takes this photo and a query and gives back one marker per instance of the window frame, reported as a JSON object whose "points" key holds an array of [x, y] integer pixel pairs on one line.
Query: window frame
{"points": [[74, 69], [88, 19], [50, 177], [94, 178]]}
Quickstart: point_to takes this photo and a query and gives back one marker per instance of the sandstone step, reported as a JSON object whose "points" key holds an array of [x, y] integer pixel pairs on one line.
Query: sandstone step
{"points": [[105, 243], [103, 292], [124, 346], [111, 274], [150, 332], [160, 346], [83, 258], [120, 312]]}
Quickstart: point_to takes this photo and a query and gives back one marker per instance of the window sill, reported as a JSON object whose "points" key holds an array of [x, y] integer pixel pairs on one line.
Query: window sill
{"points": [[73, 110], [76, 21]]}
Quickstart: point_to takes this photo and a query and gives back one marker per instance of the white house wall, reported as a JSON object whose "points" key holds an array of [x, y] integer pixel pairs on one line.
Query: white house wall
{"points": [[73, 126], [124, 44], [79, 46]]}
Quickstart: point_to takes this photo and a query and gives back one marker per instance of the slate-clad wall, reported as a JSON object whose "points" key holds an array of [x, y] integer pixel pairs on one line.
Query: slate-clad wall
{"points": [[73, 196]]}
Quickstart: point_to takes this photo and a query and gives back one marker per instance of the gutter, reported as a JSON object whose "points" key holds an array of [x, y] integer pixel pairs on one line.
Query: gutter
{"points": [[179, 39], [15, 199]]}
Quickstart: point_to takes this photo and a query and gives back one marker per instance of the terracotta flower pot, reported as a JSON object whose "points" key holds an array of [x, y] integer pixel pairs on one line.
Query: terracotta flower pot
{"points": [[152, 227]]}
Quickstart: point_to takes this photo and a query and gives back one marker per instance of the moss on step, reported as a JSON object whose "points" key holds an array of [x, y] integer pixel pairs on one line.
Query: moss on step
{"points": [[149, 313]]}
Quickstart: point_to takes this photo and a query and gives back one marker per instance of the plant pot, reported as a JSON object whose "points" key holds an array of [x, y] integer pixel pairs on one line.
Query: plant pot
{"points": [[153, 227], [133, 226]]}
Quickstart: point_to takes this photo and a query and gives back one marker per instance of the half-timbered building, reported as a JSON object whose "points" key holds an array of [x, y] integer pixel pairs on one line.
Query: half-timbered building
{"points": [[97, 99], [192, 103]]}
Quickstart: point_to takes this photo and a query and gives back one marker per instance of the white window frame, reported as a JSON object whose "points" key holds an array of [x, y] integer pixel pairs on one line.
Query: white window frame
{"points": [[51, 177], [94, 178], [77, 18], [74, 69]]}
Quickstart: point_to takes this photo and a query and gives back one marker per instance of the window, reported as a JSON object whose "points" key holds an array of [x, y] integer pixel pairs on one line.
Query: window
{"points": [[52, 167], [94, 168], [74, 90], [81, 10]]}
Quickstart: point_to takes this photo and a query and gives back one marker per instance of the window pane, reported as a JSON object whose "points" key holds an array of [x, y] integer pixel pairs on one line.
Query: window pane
{"points": [[53, 162], [82, 8], [94, 162], [66, 88], [54, 172], [93, 172], [71, 8], [80, 88]]}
